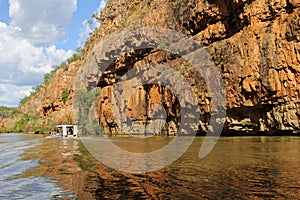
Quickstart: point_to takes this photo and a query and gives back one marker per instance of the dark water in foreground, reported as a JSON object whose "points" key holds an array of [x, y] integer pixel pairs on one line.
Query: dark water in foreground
{"points": [[238, 167]]}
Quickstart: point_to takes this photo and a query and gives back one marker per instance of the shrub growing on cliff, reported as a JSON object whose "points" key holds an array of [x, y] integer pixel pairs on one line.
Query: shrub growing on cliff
{"points": [[48, 77], [6, 112], [76, 56], [19, 125], [6, 130], [83, 101], [35, 90], [24, 100], [65, 95], [25, 122], [38, 129]]}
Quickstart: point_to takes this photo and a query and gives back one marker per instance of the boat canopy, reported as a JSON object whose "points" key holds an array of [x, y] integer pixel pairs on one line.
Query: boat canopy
{"points": [[68, 130]]}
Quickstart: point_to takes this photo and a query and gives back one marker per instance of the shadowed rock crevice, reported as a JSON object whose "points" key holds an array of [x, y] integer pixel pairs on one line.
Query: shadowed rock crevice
{"points": [[149, 106], [230, 14]]}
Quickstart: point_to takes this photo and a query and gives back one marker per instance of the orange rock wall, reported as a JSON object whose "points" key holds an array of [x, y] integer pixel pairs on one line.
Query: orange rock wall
{"points": [[48, 103], [254, 43]]}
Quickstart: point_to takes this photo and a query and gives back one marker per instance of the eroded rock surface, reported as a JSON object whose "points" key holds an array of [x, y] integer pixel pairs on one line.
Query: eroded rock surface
{"points": [[255, 45]]}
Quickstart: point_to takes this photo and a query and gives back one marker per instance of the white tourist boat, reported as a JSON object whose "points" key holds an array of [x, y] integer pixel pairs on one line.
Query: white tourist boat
{"points": [[65, 131]]}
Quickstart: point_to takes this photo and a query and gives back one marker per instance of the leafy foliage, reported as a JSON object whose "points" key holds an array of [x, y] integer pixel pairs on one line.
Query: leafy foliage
{"points": [[6, 112], [97, 16], [24, 100], [23, 125], [76, 56], [83, 102], [65, 95]]}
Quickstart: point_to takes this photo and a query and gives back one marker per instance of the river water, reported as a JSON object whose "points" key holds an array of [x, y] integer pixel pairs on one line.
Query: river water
{"points": [[14, 182], [237, 168]]}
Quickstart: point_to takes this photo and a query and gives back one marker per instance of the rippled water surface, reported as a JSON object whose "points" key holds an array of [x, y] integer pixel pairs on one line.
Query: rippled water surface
{"points": [[237, 168], [14, 183]]}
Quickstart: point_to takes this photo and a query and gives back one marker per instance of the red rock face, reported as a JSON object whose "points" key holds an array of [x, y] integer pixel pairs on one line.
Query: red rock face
{"points": [[48, 103], [255, 45]]}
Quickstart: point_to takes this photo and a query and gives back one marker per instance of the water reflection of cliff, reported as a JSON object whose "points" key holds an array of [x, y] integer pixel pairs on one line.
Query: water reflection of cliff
{"points": [[240, 167]]}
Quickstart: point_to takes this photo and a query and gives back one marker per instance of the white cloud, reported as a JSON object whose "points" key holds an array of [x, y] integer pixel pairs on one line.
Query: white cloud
{"points": [[26, 49], [102, 5], [11, 94], [41, 22], [22, 63], [56, 56], [89, 25]]}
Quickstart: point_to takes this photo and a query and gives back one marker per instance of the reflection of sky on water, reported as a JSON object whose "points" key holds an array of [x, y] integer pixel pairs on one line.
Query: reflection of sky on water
{"points": [[12, 146]]}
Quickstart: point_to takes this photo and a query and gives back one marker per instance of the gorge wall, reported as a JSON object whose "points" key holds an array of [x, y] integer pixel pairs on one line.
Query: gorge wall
{"points": [[52, 103], [255, 45]]}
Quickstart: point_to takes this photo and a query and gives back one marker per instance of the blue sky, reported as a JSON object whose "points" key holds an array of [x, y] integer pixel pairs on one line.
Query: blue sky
{"points": [[34, 36]]}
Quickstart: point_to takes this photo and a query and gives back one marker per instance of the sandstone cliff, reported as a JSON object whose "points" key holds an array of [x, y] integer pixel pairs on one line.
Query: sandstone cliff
{"points": [[52, 103], [255, 45]]}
